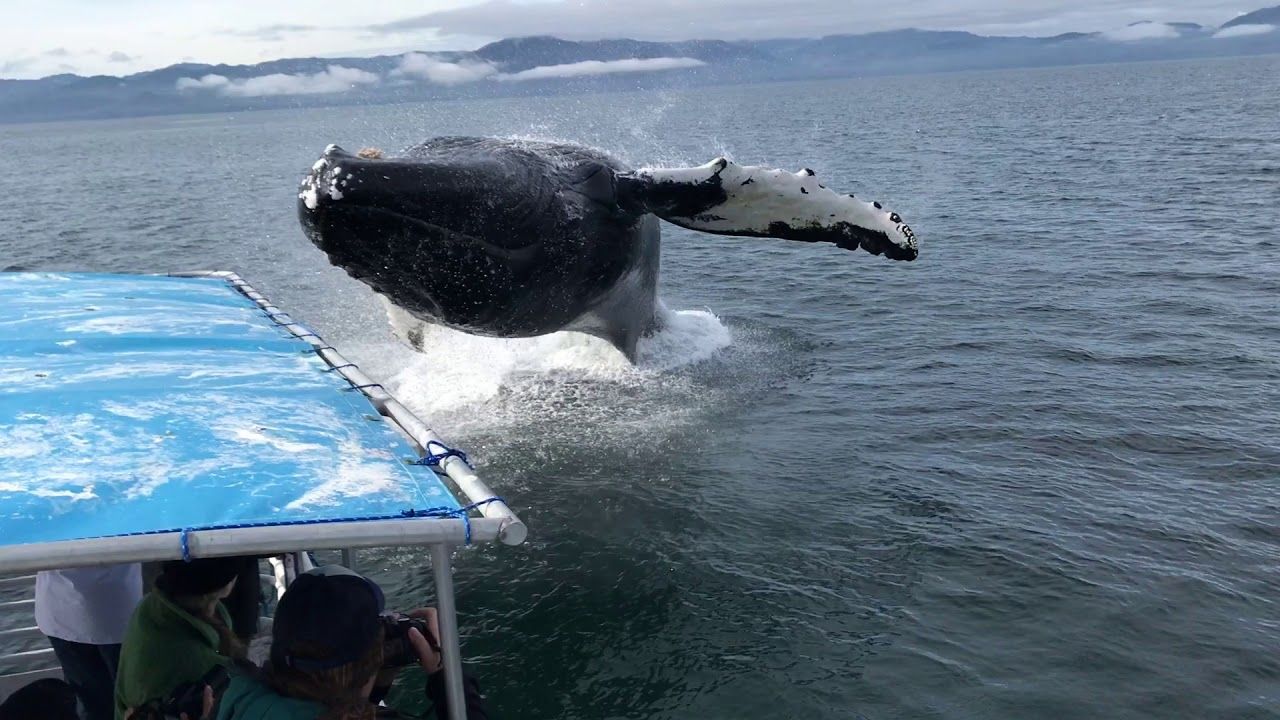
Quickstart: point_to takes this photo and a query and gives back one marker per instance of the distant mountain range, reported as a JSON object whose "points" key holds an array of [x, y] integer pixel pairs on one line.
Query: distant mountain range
{"points": [[1265, 16], [540, 65]]}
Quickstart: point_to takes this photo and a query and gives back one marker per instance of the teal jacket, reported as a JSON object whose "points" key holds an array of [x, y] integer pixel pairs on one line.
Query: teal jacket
{"points": [[247, 699], [164, 647]]}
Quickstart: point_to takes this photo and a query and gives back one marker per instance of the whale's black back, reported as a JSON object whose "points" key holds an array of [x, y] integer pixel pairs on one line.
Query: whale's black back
{"points": [[495, 237]]}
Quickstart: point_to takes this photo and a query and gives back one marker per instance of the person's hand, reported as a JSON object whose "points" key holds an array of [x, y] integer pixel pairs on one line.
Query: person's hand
{"points": [[427, 654], [206, 703]]}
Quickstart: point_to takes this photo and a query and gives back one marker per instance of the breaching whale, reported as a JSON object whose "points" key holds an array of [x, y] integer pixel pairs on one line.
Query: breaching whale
{"points": [[511, 238]]}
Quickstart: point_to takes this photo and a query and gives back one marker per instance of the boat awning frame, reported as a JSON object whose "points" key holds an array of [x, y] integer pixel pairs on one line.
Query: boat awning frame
{"points": [[496, 521]]}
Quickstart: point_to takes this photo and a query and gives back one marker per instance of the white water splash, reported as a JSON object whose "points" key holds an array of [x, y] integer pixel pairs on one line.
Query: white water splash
{"points": [[455, 370]]}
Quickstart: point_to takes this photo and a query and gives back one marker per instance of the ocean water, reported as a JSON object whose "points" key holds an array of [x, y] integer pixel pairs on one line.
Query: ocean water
{"points": [[1035, 474]]}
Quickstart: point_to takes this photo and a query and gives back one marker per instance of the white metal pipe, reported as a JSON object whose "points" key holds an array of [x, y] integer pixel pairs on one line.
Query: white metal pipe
{"points": [[513, 530], [302, 561], [447, 615], [29, 655], [274, 540], [279, 578], [24, 632], [423, 437], [290, 569], [28, 581]]}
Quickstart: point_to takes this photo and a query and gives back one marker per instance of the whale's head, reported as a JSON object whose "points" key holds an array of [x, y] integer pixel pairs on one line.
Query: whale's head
{"points": [[346, 200], [395, 224], [333, 215]]}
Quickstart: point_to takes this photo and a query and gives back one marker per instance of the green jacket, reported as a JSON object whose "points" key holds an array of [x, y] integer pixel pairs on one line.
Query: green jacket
{"points": [[247, 699], [164, 647]]}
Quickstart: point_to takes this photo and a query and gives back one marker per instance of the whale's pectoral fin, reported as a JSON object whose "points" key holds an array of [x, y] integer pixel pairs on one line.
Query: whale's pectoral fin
{"points": [[725, 198]]}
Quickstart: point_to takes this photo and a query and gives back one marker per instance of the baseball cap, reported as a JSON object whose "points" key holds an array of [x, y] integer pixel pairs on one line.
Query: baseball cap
{"points": [[328, 617]]}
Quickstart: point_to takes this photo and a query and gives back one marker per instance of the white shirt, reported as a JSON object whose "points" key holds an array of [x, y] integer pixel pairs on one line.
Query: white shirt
{"points": [[88, 605]]}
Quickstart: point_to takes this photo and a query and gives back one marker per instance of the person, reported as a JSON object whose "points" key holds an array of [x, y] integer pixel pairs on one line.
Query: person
{"points": [[47, 699], [327, 661], [244, 604], [178, 633], [84, 613]]}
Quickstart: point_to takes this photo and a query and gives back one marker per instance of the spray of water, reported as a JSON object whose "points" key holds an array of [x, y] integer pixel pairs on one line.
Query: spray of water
{"points": [[535, 401], [456, 370]]}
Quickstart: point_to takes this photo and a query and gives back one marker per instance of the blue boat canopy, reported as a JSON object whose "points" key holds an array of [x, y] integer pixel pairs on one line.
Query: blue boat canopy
{"points": [[134, 405]]}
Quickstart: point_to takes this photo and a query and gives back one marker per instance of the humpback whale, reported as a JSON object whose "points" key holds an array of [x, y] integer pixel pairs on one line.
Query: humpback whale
{"points": [[512, 238]]}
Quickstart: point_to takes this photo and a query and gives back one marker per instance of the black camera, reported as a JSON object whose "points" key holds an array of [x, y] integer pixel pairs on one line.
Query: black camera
{"points": [[189, 697], [397, 651]]}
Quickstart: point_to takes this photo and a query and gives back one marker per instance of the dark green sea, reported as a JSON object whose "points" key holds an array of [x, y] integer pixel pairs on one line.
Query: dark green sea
{"points": [[1034, 474]]}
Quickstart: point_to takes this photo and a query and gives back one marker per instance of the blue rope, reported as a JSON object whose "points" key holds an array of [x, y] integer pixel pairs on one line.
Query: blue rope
{"points": [[434, 459], [370, 385], [340, 367], [462, 513], [185, 541]]}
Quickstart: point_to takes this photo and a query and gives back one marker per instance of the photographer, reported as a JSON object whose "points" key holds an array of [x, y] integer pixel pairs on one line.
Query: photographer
{"points": [[179, 632], [334, 654]]}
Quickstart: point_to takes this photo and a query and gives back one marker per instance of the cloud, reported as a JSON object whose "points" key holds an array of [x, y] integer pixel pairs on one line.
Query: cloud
{"points": [[597, 67], [270, 33], [442, 73], [58, 52], [1244, 31], [744, 19], [645, 19], [208, 82], [1143, 31], [334, 79], [16, 65], [118, 56]]}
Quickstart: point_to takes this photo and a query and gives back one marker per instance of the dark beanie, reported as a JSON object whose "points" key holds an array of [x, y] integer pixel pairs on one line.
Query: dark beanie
{"points": [[200, 576]]}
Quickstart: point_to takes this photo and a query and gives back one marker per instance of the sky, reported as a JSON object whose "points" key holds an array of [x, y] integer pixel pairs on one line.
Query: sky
{"points": [[119, 37]]}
